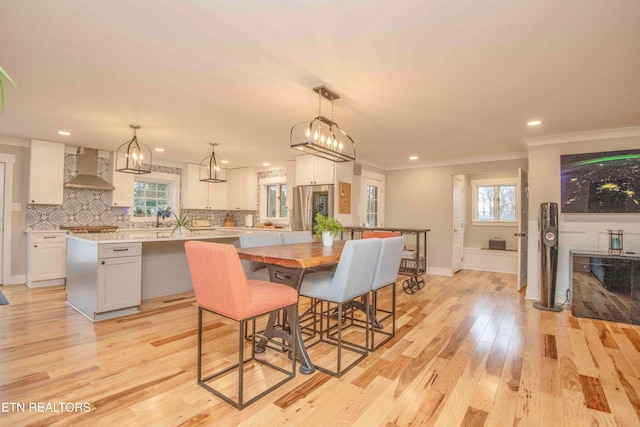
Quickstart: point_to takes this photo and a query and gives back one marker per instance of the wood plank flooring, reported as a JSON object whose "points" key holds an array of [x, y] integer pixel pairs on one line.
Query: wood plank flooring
{"points": [[469, 351]]}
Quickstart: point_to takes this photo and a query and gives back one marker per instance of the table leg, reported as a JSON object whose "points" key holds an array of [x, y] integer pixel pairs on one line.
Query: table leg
{"points": [[290, 277]]}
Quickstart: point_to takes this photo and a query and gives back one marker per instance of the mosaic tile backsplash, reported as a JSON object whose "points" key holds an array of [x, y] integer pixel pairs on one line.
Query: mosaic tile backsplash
{"points": [[89, 207]]}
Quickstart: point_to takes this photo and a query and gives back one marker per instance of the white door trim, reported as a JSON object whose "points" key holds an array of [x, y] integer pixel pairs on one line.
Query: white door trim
{"points": [[8, 160]]}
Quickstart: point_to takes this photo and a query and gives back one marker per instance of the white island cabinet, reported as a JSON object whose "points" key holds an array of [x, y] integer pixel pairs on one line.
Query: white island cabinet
{"points": [[103, 279]]}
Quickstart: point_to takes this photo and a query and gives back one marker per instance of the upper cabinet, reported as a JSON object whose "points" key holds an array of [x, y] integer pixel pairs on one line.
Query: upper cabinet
{"points": [[243, 189], [312, 170], [197, 194], [124, 183], [46, 173]]}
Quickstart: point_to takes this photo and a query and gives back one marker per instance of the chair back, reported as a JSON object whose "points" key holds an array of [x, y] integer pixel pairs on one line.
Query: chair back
{"points": [[254, 240], [218, 279], [290, 237], [369, 234], [388, 262], [356, 268]]}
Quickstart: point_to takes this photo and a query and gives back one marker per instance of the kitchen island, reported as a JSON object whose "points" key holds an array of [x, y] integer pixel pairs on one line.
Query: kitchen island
{"points": [[108, 274]]}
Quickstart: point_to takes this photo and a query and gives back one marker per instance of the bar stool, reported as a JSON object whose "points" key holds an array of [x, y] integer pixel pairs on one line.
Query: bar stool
{"points": [[352, 279], [252, 269], [221, 288], [386, 275]]}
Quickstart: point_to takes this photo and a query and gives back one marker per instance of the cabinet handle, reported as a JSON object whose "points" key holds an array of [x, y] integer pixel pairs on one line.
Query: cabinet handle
{"points": [[120, 250], [49, 237], [103, 262]]}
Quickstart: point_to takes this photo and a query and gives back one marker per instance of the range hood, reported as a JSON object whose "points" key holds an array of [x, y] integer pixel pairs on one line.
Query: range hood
{"points": [[87, 178]]}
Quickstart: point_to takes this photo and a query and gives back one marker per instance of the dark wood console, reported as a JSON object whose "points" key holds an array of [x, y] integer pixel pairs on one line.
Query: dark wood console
{"points": [[605, 286]]}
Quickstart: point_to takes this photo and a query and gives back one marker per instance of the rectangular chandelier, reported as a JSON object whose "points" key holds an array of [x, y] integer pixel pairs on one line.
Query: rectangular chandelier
{"points": [[321, 136]]}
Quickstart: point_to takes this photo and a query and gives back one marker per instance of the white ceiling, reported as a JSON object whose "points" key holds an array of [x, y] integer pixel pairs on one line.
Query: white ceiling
{"points": [[444, 80]]}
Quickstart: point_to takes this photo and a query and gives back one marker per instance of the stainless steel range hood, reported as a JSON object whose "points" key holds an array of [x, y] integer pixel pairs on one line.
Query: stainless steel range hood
{"points": [[87, 178]]}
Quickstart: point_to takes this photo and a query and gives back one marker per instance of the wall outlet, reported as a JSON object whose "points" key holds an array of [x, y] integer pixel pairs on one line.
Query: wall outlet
{"points": [[16, 207]]}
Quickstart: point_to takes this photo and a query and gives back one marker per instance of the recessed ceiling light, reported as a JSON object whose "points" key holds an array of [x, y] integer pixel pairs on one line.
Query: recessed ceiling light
{"points": [[224, 161], [160, 150], [64, 132], [266, 164], [534, 123], [300, 148], [413, 158]]}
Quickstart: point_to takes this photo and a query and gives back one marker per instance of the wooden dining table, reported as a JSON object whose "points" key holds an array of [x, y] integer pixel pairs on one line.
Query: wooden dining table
{"points": [[287, 265]]}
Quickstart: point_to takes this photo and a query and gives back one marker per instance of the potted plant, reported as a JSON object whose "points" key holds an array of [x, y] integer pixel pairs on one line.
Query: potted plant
{"points": [[183, 222], [139, 212], [328, 228], [3, 75]]}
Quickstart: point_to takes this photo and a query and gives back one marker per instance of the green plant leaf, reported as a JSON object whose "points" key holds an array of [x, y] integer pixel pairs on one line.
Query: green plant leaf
{"points": [[3, 75]]}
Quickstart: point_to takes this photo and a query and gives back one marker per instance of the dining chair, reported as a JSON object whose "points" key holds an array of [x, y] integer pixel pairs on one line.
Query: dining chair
{"points": [[290, 237], [386, 274], [352, 278], [221, 288], [368, 234], [252, 269]]}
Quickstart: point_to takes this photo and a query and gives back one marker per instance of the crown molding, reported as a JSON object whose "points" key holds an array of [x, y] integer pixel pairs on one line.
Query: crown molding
{"points": [[583, 136]]}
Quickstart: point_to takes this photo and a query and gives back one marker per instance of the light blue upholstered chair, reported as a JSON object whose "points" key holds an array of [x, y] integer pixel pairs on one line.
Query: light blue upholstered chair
{"points": [[257, 270], [290, 237], [386, 274], [353, 278]]}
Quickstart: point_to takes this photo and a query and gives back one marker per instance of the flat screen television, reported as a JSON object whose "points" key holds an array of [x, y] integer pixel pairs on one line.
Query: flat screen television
{"points": [[607, 182]]}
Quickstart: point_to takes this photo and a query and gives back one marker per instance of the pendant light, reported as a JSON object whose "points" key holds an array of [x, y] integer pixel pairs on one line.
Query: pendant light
{"points": [[321, 136], [133, 156], [209, 169]]}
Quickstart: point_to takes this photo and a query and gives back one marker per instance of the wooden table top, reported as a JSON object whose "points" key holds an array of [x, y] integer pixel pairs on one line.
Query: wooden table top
{"points": [[297, 255]]}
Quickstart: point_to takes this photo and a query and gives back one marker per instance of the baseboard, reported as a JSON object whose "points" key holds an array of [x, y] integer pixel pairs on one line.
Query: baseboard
{"points": [[437, 271], [20, 279], [44, 283]]}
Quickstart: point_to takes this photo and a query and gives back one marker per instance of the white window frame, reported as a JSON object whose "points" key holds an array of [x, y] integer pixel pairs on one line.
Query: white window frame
{"points": [[263, 183], [160, 178], [496, 182]]}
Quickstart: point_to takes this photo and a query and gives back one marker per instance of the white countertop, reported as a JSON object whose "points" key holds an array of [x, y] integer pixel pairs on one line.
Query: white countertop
{"points": [[163, 235]]}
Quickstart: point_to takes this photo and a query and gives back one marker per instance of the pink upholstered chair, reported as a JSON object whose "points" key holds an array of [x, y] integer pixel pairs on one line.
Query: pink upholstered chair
{"points": [[221, 287], [379, 234]]}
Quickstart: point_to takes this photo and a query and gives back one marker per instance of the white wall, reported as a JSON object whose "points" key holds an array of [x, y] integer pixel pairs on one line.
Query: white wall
{"points": [[576, 231], [422, 198]]}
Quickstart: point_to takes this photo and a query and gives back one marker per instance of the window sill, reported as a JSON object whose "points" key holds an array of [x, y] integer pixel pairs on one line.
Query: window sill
{"points": [[495, 223]]}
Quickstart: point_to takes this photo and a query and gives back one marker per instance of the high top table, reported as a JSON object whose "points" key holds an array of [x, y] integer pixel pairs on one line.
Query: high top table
{"points": [[286, 265]]}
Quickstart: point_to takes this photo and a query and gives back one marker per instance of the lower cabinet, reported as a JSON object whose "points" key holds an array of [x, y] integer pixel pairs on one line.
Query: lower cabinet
{"points": [[46, 258], [104, 279]]}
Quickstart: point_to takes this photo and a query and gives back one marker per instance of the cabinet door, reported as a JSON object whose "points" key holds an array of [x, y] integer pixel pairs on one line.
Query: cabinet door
{"points": [[324, 171], [124, 182], [46, 173], [218, 198], [119, 283], [195, 193], [305, 170], [243, 189], [49, 261]]}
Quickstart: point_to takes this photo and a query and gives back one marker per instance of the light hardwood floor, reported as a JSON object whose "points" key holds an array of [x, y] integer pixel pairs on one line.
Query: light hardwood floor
{"points": [[469, 351]]}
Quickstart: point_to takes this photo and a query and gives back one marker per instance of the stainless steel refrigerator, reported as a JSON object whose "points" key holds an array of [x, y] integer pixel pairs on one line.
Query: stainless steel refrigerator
{"points": [[308, 200]]}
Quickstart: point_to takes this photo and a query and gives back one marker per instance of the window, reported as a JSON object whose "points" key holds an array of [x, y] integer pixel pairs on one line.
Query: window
{"points": [[277, 201], [494, 201], [155, 191], [273, 198], [372, 206]]}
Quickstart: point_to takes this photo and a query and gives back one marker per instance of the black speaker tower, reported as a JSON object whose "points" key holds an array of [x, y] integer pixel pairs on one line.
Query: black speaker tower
{"points": [[548, 244]]}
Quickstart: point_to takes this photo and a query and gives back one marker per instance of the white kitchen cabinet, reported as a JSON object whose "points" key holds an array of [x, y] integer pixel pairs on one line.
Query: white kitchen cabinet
{"points": [[197, 194], [119, 282], [46, 173], [46, 258], [124, 183], [104, 280], [312, 170], [243, 189]]}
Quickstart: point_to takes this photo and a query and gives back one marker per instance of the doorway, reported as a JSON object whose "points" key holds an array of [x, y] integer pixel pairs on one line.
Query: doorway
{"points": [[372, 206], [457, 242]]}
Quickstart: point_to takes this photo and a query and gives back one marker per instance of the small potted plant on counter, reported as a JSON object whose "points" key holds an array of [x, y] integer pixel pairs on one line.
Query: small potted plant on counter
{"points": [[183, 222], [328, 228], [139, 212]]}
